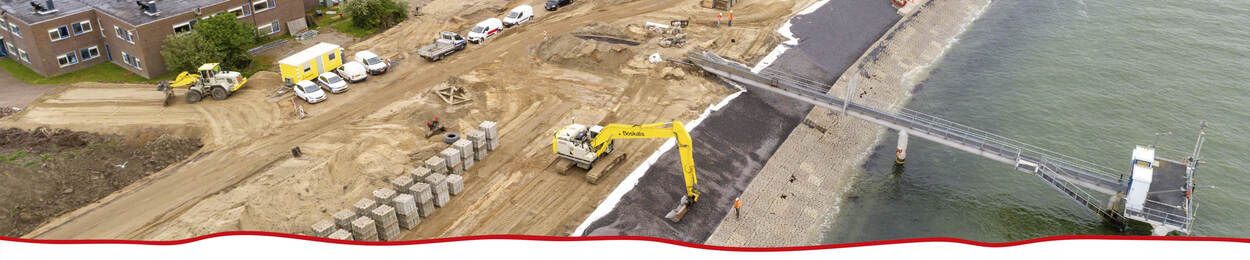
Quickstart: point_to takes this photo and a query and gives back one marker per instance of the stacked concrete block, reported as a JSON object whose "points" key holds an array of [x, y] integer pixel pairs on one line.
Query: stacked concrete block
{"points": [[340, 234], [401, 183], [363, 206], [424, 197], [418, 174], [479, 144], [386, 222], [343, 219], [438, 183], [323, 228], [364, 229], [455, 184], [492, 134], [453, 159], [468, 163], [406, 211], [436, 164], [384, 196], [466, 153]]}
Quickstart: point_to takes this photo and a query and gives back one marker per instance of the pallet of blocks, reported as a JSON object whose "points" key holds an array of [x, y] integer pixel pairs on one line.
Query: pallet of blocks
{"points": [[400, 184], [364, 229], [466, 153], [478, 137], [436, 164], [455, 184], [384, 196], [452, 157], [492, 134], [406, 211], [387, 223], [438, 184], [363, 206], [418, 175], [424, 198], [323, 228], [343, 218], [340, 234]]}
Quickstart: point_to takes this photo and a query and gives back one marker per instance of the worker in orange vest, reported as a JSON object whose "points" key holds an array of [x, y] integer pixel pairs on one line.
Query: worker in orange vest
{"points": [[718, 18], [738, 207], [731, 18]]}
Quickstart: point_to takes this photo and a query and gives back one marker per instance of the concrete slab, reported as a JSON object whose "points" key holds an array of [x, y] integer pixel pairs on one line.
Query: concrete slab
{"points": [[436, 164], [343, 218]]}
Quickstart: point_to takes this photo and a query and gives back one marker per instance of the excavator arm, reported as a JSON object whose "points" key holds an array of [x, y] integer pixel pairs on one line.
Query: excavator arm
{"points": [[658, 130]]}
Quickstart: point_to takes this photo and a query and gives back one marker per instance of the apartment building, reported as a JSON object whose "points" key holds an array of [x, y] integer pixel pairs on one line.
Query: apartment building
{"points": [[53, 37]]}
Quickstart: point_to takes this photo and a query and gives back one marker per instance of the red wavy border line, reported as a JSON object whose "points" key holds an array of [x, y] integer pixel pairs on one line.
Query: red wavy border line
{"points": [[635, 238]]}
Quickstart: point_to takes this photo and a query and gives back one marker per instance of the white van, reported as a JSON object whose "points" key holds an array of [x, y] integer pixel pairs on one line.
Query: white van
{"points": [[372, 62], [518, 16], [485, 29], [353, 72]]}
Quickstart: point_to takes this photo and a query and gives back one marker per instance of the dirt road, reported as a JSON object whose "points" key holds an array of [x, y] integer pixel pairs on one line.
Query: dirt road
{"points": [[250, 146]]}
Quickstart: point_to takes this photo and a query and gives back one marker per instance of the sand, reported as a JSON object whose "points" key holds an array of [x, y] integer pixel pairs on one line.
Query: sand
{"points": [[245, 178], [795, 197]]}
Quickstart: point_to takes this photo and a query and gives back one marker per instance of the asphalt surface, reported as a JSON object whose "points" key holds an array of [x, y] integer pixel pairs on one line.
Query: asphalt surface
{"points": [[733, 144]]}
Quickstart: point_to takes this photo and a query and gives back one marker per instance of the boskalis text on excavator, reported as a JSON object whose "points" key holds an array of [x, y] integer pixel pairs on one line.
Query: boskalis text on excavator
{"points": [[583, 145]]}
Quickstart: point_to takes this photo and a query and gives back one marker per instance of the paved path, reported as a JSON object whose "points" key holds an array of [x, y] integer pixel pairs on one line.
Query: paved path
{"points": [[733, 144], [15, 93]]}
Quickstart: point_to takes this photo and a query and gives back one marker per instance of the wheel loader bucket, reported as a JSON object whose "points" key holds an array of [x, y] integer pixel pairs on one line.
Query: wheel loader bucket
{"points": [[676, 214]]}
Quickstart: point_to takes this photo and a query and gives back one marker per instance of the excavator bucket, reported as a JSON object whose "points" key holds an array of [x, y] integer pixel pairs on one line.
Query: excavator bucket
{"points": [[676, 214]]}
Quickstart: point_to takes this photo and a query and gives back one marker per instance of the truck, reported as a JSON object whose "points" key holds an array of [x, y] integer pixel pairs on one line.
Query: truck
{"points": [[447, 43]]}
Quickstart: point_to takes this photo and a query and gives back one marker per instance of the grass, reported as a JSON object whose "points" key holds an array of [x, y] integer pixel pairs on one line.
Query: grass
{"points": [[344, 26], [13, 156], [104, 72]]}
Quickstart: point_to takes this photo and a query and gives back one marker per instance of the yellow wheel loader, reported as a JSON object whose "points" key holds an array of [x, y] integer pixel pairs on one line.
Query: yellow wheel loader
{"points": [[211, 80]]}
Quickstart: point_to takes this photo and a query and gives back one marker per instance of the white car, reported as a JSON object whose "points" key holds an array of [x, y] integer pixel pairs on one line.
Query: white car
{"points": [[309, 92], [372, 62], [332, 82], [352, 72], [518, 16], [485, 29]]}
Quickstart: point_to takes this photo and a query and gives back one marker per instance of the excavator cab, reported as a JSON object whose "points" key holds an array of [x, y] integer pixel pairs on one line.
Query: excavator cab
{"points": [[208, 70]]}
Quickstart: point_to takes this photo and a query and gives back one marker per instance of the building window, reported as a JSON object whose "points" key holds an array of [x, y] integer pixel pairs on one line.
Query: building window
{"points": [[25, 57], [247, 10], [125, 35], [132, 61], [59, 33], [330, 57], [307, 68], [89, 53], [275, 27], [11, 48], [183, 27], [16, 31], [4, 24], [70, 58], [238, 11], [81, 27], [262, 5]]}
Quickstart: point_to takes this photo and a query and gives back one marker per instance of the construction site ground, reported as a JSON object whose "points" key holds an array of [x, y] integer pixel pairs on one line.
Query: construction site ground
{"points": [[735, 143], [585, 63]]}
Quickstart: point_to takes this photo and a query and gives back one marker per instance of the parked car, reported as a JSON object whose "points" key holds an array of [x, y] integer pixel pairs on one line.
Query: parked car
{"points": [[372, 62], [309, 92], [332, 82], [518, 16], [552, 5], [485, 29], [352, 72]]}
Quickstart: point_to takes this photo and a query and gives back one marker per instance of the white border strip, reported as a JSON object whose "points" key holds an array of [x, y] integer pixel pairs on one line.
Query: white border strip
{"points": [[631, 181]]}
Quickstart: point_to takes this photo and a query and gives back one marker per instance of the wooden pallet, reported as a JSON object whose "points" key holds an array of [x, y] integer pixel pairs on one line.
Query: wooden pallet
{"points": [[453, 95]]}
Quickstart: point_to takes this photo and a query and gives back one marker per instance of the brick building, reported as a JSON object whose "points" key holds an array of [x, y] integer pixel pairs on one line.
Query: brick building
{"points": [[62, 36]]}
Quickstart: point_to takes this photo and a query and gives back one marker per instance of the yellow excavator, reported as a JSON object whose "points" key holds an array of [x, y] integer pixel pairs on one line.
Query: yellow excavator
{"points": [[584, 144], [210, 80]]}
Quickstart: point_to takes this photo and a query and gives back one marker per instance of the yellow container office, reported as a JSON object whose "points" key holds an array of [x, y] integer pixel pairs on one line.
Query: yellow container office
{"points": [[308, 63]]}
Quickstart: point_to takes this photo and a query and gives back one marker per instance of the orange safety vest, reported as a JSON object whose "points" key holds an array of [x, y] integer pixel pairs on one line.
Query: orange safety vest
{"points": [[737, 203]]}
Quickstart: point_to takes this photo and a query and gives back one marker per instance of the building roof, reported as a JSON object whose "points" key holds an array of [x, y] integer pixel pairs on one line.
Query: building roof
{"points": [[302, 57], [125, 10]]}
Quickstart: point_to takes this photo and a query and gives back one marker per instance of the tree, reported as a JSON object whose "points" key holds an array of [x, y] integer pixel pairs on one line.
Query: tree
{"points": [[187, 51], [375, 14], [230, 37]]}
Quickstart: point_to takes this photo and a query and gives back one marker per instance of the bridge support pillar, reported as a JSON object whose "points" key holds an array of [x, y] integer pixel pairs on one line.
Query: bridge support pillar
{"points": [[900, 155]]}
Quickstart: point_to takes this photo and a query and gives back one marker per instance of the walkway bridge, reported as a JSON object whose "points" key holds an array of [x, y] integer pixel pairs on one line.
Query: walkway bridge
{"points": [[1166, 209]]}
